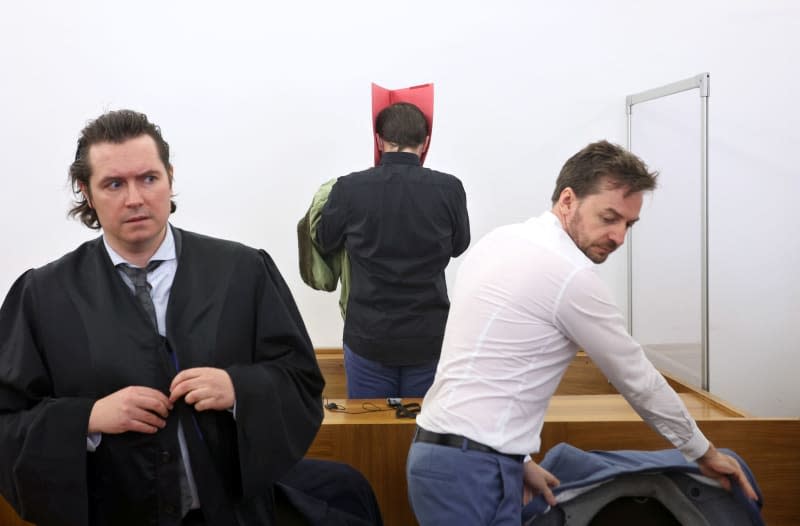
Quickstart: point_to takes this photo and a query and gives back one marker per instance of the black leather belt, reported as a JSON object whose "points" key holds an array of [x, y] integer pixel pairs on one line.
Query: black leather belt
{"points": [[446, 439]]}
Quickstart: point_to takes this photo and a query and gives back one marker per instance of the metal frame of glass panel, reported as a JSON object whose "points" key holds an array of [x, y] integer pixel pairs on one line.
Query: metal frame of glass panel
{"points": [[700, 82]]}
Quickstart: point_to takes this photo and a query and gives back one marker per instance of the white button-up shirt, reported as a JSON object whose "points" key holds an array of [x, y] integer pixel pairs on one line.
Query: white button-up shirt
{"points": [[525, 299]]}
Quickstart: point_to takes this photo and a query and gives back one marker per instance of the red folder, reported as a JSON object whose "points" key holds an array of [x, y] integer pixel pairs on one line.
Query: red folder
{"points": [[420, 96]]}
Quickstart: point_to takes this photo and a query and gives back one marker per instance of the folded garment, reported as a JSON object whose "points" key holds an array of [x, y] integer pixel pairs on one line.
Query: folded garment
{"points": [[601, 483]]}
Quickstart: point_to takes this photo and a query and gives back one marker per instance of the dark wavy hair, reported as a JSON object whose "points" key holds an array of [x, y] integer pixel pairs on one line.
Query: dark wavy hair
{"points": [[115, 127], [584, 171], [402, 124]]}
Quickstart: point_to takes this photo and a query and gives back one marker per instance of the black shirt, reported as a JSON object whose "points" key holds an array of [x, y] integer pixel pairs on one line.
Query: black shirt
{"points": [[400, 224]]}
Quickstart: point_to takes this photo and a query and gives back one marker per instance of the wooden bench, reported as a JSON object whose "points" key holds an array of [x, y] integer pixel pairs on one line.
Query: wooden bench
{"points": [[587, 413], [331, 363], [8, 517], [582, 376]]}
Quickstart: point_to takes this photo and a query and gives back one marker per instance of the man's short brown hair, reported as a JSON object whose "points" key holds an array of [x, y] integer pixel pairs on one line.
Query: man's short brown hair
{"points": [[585, 171]]}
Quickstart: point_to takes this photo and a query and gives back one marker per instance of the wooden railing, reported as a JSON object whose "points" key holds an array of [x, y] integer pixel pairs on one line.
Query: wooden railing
{"points": [[587, 412], [8, 517], [582, 376]]}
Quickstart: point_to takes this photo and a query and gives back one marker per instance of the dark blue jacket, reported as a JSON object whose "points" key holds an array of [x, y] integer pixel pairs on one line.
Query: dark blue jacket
{"points": [[592, 479]]}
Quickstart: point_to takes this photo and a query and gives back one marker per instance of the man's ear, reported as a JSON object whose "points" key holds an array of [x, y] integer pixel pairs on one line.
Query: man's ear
{"points": [[427, 142], [86, 195], [567, 199], [379, 142]]}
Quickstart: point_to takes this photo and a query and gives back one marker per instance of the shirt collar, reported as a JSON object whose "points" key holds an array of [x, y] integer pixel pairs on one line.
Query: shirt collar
{"points": [[165, 252], [548, 217], [399, 158]]}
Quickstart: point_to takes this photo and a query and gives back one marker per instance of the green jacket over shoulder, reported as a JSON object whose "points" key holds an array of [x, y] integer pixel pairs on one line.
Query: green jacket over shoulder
{"points": [[317, 271]]}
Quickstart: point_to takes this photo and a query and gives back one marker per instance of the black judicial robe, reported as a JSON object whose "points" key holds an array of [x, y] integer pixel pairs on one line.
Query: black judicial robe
{"points": [[71, 333]]}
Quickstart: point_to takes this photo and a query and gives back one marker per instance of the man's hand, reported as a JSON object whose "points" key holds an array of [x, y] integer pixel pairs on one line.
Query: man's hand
{"points": [[135, 408], [536, 481], [204, 388], [720, 467]]}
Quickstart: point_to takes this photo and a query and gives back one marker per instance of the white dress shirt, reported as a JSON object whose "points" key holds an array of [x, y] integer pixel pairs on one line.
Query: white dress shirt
{"points": [[525, 299]]}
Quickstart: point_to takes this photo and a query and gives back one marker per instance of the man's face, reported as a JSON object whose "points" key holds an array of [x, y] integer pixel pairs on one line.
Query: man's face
{"points": [[598, 223], [130, 190]]}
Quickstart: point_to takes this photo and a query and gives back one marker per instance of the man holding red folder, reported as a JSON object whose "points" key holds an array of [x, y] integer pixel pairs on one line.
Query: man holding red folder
{"points": [[399, 224]]}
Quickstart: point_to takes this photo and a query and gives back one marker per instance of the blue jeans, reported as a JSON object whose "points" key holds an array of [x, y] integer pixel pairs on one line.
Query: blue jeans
{"points": [[369, 379], [450, 485]]}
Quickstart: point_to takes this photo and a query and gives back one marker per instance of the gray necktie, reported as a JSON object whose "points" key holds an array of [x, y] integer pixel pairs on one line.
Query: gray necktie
{"points": [[141, 288]]}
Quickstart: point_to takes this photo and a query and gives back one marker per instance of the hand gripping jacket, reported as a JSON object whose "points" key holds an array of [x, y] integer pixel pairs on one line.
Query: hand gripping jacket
{"points": [[628, 487]]}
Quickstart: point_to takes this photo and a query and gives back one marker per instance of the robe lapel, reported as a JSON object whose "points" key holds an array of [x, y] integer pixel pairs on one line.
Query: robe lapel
{"points": [[194, 304], [191, 333], [121, 339]]}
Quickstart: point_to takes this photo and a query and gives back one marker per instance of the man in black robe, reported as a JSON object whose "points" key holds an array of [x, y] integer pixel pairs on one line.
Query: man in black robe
{"points": [[153, 375]]}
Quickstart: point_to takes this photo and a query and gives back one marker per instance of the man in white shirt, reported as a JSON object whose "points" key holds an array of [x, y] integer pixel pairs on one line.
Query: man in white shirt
{"points": [[525, 300]]}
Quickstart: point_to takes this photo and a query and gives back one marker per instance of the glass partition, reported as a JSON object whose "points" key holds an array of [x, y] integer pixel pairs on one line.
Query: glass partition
{"points": [[667, 249]]}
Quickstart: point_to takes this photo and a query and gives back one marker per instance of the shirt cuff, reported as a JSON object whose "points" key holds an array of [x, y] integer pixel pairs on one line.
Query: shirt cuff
{"points": [[93, 441], [696, 447]]}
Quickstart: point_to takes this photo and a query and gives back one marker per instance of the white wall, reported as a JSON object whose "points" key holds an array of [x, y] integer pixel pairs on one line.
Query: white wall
{"points": [[261, 102]]}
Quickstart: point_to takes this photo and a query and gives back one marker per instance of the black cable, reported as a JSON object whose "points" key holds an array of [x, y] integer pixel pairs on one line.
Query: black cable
{"points": [[368, 407]]}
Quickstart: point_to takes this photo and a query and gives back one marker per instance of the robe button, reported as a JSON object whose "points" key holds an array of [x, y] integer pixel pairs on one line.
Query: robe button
{"points": [[165, 457], [169, 509]]}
